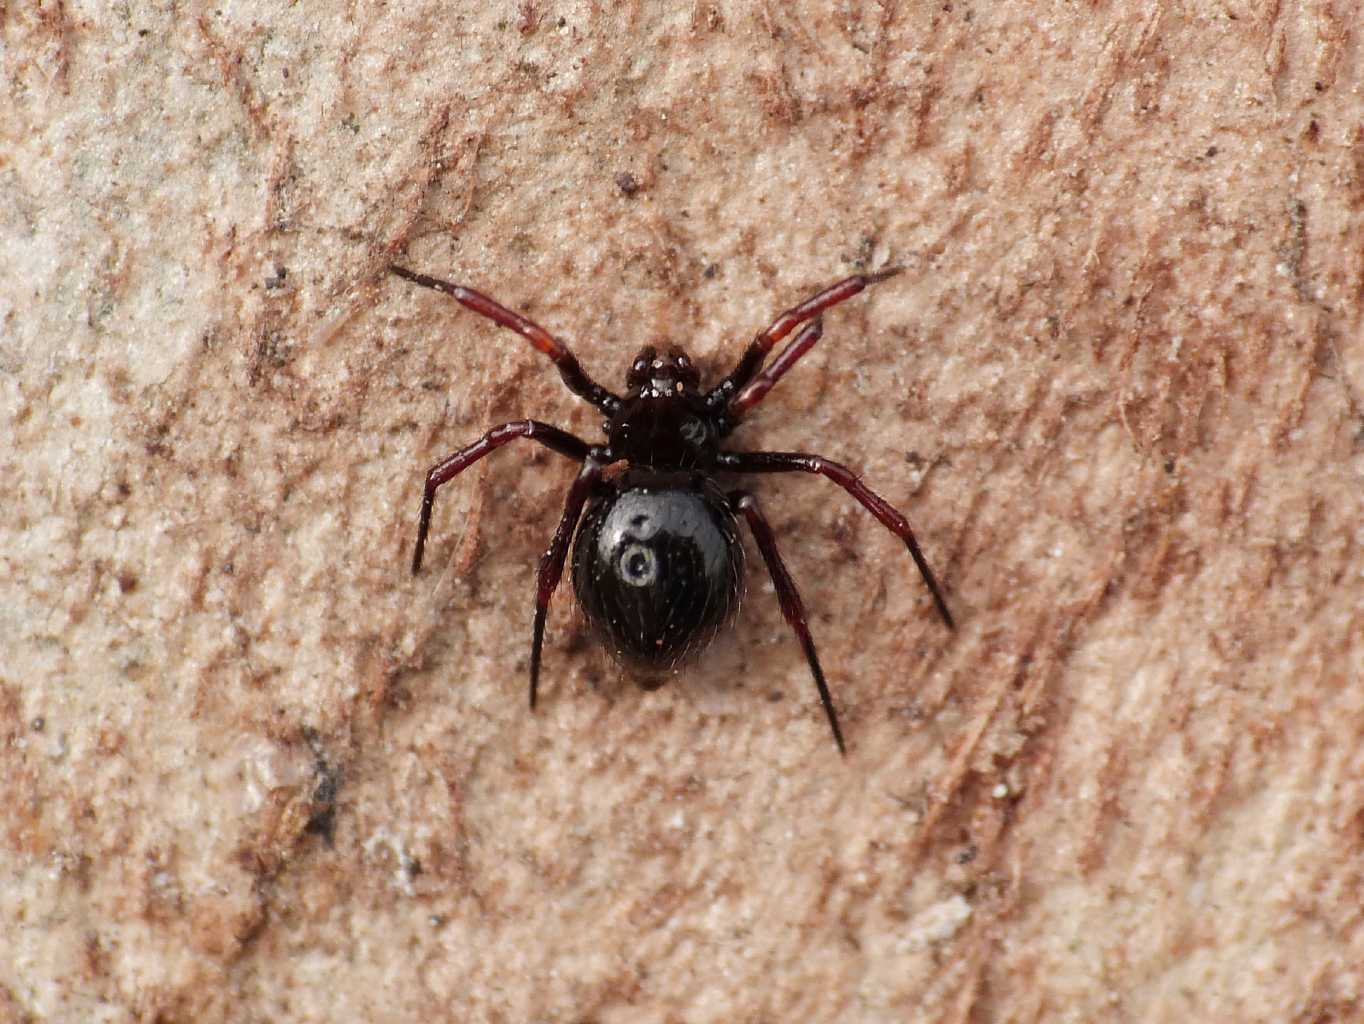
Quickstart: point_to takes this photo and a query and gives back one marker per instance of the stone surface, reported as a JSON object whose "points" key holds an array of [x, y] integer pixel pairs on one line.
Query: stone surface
{"points": [[252, 770]]}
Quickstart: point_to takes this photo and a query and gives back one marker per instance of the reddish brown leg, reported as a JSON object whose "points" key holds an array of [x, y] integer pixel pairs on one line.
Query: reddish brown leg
{"points": [[891, 519], [757, 350], [577, 380], [789, 599], [757, 389], [452, 465], [552, 563]]}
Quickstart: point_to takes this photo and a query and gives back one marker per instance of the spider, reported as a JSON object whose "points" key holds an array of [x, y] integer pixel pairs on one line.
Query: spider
{"points": [[657, 565]]}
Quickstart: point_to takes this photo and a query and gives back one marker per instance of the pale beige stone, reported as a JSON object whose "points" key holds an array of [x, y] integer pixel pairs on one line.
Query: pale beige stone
{"points": [[1117, 390]]}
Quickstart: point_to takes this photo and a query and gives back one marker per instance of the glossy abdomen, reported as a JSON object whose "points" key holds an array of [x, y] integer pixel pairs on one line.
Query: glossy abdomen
{"points": [[658, 567]]}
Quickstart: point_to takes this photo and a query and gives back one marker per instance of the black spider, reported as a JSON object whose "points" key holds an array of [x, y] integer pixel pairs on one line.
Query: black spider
{"points": [[658, 567]]}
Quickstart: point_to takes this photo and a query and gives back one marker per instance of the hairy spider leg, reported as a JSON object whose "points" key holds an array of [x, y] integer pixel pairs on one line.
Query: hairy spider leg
{"points": [[452, 465], [756, 390], [789, 598], [573, 374], [551, 568], [752, 360], [891, 519]]}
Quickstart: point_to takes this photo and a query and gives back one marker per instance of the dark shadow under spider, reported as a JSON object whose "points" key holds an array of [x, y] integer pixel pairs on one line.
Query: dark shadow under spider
{"points": [[657, 564]]}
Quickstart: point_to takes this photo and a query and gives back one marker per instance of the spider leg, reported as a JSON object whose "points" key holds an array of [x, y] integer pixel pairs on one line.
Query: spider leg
{"points": [[756, 390], [552, 562], [752, 360], [452, 465], [573, 374], [890, 518], [789, 598]]}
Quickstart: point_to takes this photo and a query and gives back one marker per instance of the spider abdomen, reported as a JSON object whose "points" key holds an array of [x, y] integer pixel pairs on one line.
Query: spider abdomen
{"points": [[658, 567]]}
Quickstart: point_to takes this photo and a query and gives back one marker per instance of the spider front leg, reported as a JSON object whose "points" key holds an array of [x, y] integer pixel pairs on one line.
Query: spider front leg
{"points": [[752, 360], [756, 390], [890, 518], [792, 608], [551, 568], [572, 373], [452, 465]]}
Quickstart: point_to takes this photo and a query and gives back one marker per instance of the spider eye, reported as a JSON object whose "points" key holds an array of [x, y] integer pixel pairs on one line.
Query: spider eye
{"points": [[638, 565]]}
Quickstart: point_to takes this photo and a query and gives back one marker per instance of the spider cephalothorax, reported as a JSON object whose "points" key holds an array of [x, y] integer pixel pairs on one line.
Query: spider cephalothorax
{"points": [[664, 420], [657, 563]]}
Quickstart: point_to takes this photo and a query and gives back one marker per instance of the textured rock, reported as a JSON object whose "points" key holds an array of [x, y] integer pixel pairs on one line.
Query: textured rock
{"points": [[252, 770]]}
